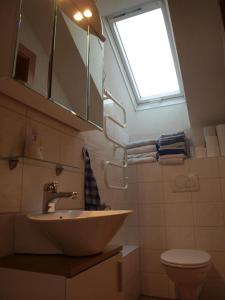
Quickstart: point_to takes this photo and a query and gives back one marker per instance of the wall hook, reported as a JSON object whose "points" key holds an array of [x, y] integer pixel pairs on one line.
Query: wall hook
{"points": [[59, 169], [13, 162]]}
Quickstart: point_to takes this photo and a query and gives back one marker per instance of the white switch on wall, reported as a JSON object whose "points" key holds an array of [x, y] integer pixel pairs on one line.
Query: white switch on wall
{"points": [[186, 183]]}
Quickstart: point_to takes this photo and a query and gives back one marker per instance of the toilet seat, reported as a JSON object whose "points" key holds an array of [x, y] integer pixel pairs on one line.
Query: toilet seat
{"points": [[182, 258]]}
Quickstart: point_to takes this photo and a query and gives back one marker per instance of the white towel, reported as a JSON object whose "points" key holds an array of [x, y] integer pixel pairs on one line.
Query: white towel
{"points": [[142, 155], [140, 143], [220, 129], [169, 156], [133, 161], [142, 149]]}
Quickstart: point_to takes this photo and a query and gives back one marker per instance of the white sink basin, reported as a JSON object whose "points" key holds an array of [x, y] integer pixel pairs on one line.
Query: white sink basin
{"points": [[80, 233]]}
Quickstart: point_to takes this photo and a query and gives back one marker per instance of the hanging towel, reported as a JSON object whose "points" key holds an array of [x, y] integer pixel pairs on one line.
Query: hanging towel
{"points": [[91, 193]]}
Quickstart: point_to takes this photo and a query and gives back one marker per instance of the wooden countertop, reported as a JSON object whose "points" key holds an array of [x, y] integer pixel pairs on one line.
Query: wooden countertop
{"points": [[55, 264]]}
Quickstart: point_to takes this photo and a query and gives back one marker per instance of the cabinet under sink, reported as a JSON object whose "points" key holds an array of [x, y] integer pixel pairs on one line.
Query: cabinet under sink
{"points": [[58, 277]]}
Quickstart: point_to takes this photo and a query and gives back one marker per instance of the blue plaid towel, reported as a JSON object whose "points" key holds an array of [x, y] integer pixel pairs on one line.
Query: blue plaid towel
{"points": [[91, 193]]}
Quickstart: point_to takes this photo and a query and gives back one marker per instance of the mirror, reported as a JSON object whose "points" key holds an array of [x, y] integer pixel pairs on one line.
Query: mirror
{"points": [[35, 44], [96, 62], [69, 78]]}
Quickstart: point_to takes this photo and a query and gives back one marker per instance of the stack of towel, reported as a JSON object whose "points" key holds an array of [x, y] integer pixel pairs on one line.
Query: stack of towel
{"points": [[172, 149], [141, 152]]}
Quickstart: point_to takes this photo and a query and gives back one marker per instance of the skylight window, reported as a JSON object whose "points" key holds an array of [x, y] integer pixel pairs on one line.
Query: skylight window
{"points": [[149, 57]]}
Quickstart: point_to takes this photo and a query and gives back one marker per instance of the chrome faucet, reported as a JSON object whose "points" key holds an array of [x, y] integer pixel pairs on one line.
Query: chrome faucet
{"points": [[51, 196]]}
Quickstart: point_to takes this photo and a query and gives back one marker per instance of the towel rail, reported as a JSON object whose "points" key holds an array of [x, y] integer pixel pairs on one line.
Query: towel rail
{"points": [[107, 164], [107, 95], [111, 139]]}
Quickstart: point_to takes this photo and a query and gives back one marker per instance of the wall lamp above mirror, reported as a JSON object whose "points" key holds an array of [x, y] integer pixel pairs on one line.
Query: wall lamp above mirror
{"points": [[85, 14]]}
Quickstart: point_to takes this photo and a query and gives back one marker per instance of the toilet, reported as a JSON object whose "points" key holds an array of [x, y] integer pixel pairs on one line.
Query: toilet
{"points": [[187, 269]]}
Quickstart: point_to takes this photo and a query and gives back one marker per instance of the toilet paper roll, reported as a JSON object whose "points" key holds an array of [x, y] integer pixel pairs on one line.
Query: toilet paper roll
{"points": [[209, 131], [220, 129], [197, 137], [200, 152], [212, 146]]}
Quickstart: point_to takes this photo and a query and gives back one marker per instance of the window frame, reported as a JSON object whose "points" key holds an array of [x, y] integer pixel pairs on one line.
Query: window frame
{"points": [[151, 101]]}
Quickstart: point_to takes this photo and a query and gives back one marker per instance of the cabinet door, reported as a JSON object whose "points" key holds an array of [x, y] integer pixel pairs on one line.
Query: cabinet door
{"points": [[95, 101], [101, 282], [69, 78], [34, 44]]}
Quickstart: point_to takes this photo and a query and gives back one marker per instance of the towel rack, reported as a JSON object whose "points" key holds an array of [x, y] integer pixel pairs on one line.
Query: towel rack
{"points": [[107, 95]]}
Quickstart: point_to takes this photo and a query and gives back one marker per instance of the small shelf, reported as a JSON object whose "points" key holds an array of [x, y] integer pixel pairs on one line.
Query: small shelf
{"points": [[59, 167]]}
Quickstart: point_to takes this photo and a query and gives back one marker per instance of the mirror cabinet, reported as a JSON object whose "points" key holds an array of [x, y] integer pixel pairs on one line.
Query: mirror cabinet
{"points": [[34, 44], [95, 105], [69, 73], [49, 56]]}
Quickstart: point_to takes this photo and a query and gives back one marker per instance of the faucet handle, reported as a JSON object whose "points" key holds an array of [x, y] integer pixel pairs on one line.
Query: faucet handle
{"points": [[51, 187]]}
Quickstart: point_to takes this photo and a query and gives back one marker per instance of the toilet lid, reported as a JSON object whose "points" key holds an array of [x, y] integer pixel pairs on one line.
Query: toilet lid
{"points": [[185, 258]]}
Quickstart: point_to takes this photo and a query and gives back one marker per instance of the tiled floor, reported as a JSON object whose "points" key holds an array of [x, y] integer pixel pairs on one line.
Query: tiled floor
{"points": [[151, 298]]}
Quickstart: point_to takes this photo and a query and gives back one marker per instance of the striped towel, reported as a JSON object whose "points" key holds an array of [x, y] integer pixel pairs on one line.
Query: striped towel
{"points": [[171, 139], [91, 193], [180, 145], [171, 151]]}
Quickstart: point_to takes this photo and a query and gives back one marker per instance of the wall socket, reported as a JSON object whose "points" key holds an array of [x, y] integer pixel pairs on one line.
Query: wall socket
{"points": [[186, 183]]}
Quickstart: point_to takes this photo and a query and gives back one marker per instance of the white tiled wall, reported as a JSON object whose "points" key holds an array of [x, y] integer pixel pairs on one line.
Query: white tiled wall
{"points": [[180, 220], [21, 189]]}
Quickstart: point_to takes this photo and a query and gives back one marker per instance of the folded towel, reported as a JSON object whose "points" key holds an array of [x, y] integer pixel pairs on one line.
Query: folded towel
{"points": [[142, 149], [178, 134], [169, 156], [142, 155], [140, 143], [172, 151], [179, 145], [172, 161], [171, 139], [133, 161]]}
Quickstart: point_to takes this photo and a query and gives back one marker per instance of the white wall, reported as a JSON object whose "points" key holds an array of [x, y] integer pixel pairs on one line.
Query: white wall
{"points": [[185, 220], [199, 36]]}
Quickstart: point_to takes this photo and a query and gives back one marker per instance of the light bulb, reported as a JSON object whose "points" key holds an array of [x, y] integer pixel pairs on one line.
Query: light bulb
{"points": [[78, 16], [87, 13]]}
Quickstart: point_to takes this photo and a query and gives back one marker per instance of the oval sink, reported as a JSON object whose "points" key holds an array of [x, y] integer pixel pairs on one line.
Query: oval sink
{"points": [[80, 233]]}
